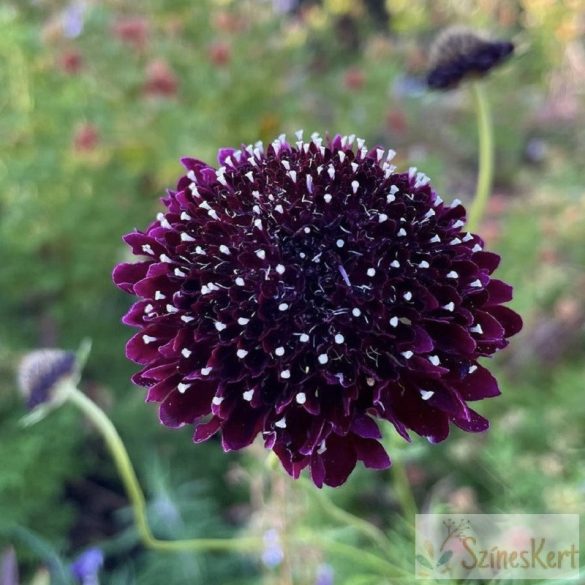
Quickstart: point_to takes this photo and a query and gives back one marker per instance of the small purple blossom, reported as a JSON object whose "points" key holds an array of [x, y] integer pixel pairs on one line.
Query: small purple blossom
{"points": [[325, 575], [301, 292], [73, 19], [272, 555], [87, 565]]}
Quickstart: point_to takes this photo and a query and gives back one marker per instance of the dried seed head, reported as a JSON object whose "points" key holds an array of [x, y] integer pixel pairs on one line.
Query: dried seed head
{"points": [[41, 372], [459, 53]]}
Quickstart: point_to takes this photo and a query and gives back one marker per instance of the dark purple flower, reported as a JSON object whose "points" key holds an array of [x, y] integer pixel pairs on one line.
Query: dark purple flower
{"points": [[459, 53], [300, 292]]}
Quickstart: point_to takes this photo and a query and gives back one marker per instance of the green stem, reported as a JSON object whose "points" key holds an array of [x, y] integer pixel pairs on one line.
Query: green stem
{"points": [[403, 490], [135, 494], [366, 528], [359, 556], [486, 156]]}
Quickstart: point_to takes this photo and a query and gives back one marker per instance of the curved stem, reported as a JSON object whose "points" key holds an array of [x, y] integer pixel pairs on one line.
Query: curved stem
{"points": [[486, 156], [366, 528], [135, 494], [359, 556]]}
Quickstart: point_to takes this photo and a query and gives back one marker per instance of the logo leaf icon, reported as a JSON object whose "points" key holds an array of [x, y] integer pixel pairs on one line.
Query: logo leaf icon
{"points": [[445, 557]]}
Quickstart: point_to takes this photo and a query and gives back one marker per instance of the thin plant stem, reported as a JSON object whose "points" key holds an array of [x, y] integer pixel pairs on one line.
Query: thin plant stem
{"points": [[403, 490], [138, 501], [363, 526], [486, 155], [135, 494]]}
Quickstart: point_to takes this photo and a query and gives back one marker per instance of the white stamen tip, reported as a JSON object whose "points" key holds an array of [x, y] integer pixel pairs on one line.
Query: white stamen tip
{"points": [[434, 359], [240, 281], [182, 388], [280, 269], [394, 322], [356, 312], [220, 326], [285, 374], [371, 272], [206, 371], [339, 338], [449, 307], [281, 424], [340, 243], [186, 352], [241, 353], [407, 354], [382, 217], [323, 359], [243, 321], [301, 398], [283, 306], [426, 394], [452, 274], [148, 339], [279, 351], [261, 254], [248, 395], [304, 338]]}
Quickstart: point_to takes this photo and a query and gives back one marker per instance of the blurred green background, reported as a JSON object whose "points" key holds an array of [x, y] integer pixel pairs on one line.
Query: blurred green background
{"points": [[98, 101]]}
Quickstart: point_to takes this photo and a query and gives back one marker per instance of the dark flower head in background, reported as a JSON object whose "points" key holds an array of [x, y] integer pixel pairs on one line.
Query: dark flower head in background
{"points": [[459, 53], [302, 291], [41, 372]]}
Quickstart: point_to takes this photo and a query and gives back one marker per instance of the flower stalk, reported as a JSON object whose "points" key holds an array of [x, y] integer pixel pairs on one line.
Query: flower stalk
{"points": [[135, 494], [486, 155]]}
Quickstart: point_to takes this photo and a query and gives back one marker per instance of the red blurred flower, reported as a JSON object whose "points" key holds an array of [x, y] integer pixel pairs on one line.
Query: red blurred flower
{"points": [[70, 62], [220, 53], [161, 80], [133, 30], [396, 121], [86, 137], [354, 79]]}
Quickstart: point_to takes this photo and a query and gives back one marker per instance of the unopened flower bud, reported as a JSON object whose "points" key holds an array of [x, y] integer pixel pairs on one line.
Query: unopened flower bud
{"points": [[42, 372]]}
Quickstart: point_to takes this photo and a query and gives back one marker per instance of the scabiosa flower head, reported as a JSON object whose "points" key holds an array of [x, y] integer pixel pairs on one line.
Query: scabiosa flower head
{"points": [[459, 53], [42, 372], [302, 291]]}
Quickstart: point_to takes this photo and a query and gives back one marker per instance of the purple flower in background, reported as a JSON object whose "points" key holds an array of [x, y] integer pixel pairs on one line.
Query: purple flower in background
{"points": [[41, 372], [284, 6], [272, 555], [73, 19], [87, 565], [325, 575], [301, 292]]}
